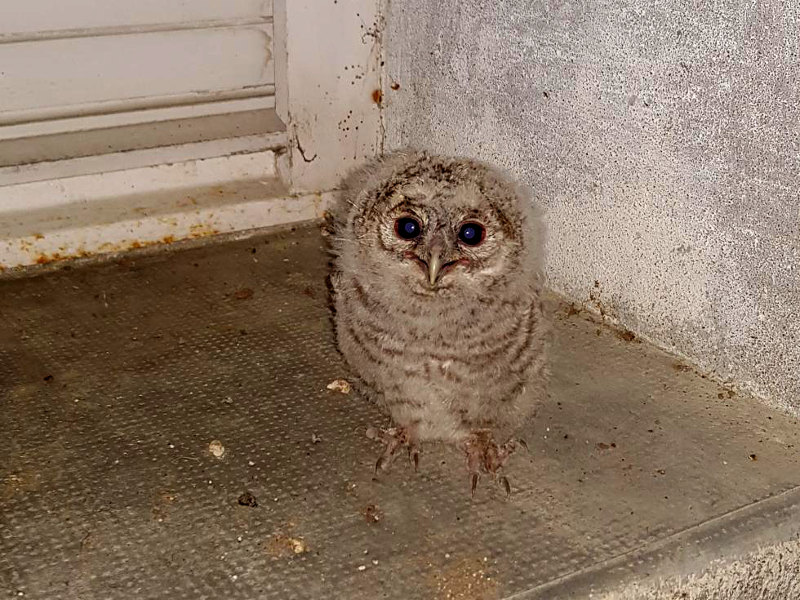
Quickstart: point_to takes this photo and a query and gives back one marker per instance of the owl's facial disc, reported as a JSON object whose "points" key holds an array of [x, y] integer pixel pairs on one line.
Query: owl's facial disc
{"points": [[445, 242]]}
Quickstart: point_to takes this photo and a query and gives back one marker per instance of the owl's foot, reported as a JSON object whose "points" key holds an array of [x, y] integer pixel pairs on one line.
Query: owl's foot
{"points": [[484, 455], [395, 439]]}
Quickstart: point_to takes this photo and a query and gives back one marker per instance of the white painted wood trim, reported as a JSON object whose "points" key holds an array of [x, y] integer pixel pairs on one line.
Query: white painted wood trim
{"points": [[82, 77], [143, 182], [140, 113], [135, 159], [321, 101], [119, 236], [109, 212], [46, 19]]}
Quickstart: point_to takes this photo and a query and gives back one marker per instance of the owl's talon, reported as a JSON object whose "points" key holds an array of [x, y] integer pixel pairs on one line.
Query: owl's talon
{"points": [[413, 455], [484, 455], [394, 438]]}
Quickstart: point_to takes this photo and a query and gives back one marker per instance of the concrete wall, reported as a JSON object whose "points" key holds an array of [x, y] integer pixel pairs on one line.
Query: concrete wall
{"points": [[662, 140]]}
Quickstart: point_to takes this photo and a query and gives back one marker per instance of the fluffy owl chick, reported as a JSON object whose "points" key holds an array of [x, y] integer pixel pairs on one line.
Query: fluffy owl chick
{"points": [[436, 292]]}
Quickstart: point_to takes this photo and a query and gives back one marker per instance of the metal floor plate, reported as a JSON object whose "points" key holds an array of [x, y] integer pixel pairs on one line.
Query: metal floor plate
{"points": [[116, 377]]}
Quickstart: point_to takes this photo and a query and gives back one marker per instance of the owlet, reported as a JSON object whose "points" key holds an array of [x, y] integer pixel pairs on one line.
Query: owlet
{"points": [[436, 292]]}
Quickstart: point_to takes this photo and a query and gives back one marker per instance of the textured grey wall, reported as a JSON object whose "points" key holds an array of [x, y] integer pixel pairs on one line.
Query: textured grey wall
{"points": [[662, 140]]}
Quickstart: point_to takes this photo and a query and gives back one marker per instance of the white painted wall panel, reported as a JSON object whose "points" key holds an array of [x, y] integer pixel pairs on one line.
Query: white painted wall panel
{"points": [[76, 71], [37, 16], [334, 96], [329, 104]]}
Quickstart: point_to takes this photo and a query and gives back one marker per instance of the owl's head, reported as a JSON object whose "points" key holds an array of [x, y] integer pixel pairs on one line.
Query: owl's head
{"points": [[435, 227]]}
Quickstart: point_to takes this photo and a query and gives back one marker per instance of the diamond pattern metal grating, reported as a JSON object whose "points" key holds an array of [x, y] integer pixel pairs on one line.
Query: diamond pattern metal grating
{"points": [[115, 377]]}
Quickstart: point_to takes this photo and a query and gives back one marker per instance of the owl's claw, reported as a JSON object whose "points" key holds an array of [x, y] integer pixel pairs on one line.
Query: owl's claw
{"points": [[393, 443], [394, 438], [382, 463], [484, 455], [413, 455]]}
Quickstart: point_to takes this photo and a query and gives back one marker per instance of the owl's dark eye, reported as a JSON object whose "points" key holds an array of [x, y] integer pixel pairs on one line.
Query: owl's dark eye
{"points": [[471, 234], [407, 228]]}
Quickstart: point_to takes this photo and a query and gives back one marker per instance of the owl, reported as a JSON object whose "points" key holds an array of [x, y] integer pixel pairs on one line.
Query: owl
{"points": [[436, 294]]}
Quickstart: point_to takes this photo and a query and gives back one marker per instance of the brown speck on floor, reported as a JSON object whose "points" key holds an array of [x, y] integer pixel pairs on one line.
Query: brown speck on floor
{"points": [[282, 545], [243, 294], [625, 335], [247, 499], [372, 514]]}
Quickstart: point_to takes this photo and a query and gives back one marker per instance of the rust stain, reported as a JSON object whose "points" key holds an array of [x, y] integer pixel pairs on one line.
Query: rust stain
{"points": [[44, 259], [105, 247], [201, 230], [64, 253], [377, 97]]}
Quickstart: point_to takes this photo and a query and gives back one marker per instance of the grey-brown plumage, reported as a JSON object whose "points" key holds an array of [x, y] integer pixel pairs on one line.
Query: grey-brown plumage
{"points": [[436, 291]]}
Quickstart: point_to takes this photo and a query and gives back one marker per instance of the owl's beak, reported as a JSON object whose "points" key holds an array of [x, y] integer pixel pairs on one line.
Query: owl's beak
{"points": [[434, 265]]}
